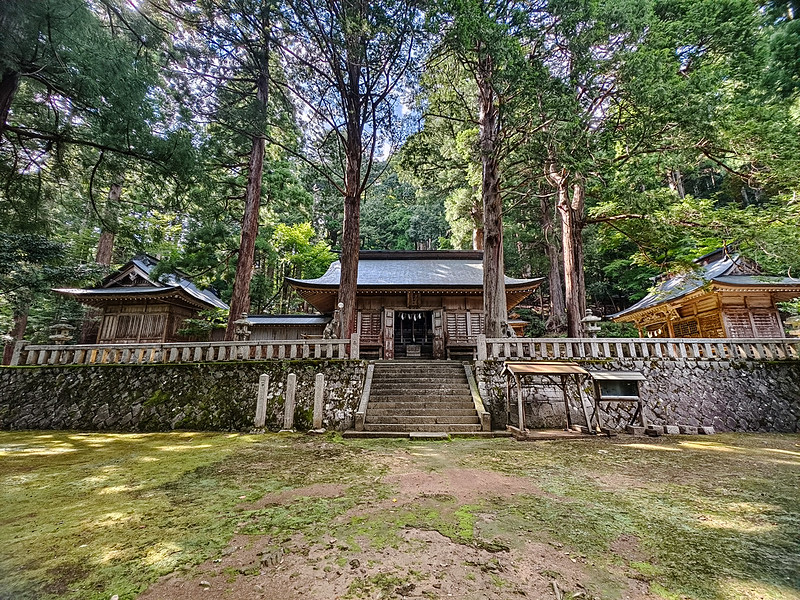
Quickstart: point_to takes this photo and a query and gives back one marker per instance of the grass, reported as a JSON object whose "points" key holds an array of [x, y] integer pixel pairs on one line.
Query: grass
{"points": [[91, 515]]}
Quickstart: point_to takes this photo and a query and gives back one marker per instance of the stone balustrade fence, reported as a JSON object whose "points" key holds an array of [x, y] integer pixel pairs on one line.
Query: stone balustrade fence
{"points": [[188, 352], [637, 348], [29, 354]]}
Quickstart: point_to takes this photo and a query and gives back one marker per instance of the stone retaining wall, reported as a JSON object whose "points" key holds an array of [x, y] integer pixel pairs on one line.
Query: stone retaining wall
{"points": [[218, 396], [728, 395]]}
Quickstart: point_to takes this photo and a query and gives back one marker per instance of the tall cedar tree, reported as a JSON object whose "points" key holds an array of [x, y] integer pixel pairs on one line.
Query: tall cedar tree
{"points": [[346, 65]]}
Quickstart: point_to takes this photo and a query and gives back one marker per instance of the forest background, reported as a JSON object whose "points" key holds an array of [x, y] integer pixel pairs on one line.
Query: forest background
{"points": [[598, 143]]}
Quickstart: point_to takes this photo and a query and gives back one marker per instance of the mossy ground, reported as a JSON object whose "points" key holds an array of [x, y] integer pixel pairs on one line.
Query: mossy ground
{"points": [[91, 515]]}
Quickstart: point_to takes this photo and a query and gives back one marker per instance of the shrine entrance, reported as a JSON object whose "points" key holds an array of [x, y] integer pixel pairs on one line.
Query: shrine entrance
{"points": [[413, 334]]}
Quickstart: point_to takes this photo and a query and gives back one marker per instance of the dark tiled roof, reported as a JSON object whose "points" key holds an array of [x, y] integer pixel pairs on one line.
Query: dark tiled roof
{"points": [[288, 320], [441, 269]]}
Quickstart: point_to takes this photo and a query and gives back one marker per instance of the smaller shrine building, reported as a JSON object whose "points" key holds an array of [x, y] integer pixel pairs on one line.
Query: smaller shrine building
{"points": [[724, 297]]}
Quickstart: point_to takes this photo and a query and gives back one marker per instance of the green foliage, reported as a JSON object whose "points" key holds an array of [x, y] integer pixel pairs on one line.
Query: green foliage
{"points": [[204, 324]]}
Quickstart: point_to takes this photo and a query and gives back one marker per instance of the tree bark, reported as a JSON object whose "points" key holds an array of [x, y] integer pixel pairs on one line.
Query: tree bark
{"points": [[494, 286], [105, 246], [17, 332], [240, 298], [8, 88], [571, 212], [348, 282], [556, 322]]}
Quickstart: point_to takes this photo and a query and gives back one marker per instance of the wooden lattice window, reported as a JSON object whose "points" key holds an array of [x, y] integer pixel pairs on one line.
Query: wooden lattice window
{"points": [[711, 326], [369, 327], [128, 327], [766, 324], [686, 329], [476, 322], [738, 322], [153, 328], [457, 325]]}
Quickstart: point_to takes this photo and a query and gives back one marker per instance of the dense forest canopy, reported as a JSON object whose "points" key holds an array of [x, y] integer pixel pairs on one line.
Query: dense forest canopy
{"points": [[597, 143]]}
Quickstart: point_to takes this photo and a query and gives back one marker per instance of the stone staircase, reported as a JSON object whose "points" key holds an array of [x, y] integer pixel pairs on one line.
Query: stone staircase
{"points": [[420, 396]]}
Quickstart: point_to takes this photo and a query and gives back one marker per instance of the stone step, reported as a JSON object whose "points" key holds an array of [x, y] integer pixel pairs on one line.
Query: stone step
{"points": [[388, 400], [449, 377], [352, 434], [422, 389], [420, 420], [422, 410], [418, 368], [409, 427]]}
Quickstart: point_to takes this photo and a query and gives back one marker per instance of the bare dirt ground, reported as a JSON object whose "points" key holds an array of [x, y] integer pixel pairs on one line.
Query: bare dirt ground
{"points": [[423, 563]]}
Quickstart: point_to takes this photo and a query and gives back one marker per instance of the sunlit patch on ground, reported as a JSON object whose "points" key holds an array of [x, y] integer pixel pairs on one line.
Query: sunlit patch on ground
{"points": [[319, 517]]}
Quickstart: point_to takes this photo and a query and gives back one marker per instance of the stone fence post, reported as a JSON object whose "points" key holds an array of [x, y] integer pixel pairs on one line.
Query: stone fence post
{"points": [[288, 406]]}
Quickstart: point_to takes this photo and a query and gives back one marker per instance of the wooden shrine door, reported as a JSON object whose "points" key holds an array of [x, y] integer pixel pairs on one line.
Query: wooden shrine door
{"points": [[438, 334], [388, 334]]}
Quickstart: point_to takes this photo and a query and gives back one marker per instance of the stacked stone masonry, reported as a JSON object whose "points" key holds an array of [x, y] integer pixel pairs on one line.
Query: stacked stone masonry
{"points": [[749, 395], [218, 396]]}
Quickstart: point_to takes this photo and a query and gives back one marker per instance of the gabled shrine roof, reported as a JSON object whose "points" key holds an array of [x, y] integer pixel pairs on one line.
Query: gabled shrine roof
{"points": [[426, 272], [133, 280], [716, 269], [414, 270]]}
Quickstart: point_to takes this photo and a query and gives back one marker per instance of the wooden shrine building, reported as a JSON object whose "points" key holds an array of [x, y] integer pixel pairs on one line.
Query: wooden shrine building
{"points": [[138, 308], [414, 303], [725, 297]]}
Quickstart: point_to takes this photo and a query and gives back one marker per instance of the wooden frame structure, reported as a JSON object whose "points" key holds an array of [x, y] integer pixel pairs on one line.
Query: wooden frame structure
{"points": [[559, 374]]}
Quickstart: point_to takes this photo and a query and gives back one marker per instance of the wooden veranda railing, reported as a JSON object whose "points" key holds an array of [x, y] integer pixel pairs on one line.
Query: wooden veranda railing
{"points": [[637, 348], [190, 352]]}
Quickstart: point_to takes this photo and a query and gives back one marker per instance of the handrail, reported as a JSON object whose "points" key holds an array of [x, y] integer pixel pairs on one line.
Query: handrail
{"points": [[182, 352], [361, 413], [639, 348], [483, 414]]}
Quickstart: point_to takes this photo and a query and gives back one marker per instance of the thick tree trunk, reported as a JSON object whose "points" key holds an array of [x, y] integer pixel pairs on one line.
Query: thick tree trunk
{"points": [[571, 213], [17, 331], [8, 88], [556, 322], [105, 246], [494, 286], [240, 298], [350, 238]]}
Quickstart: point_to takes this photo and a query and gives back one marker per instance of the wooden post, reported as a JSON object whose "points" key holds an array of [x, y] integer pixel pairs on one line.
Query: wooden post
{"points": [[288, 405], [261, 404], [319, 392], [520, 404]]}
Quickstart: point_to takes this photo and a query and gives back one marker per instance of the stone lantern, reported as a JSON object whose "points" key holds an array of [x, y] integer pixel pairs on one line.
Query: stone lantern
{"points": [[242, 328], [590, 323], [62, 333], [794, 325]]}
